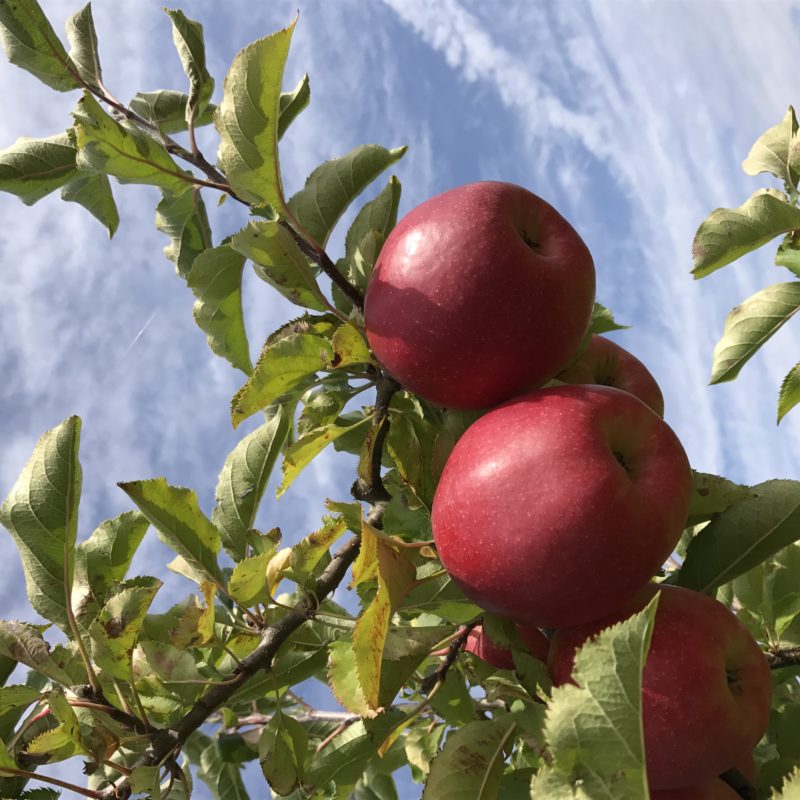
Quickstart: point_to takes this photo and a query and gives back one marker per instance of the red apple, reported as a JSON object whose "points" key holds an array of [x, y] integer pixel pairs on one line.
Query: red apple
{"points": [[606, 363], [478, 293], [713, 789], [556, 507], [706, 686], [479, 644]]}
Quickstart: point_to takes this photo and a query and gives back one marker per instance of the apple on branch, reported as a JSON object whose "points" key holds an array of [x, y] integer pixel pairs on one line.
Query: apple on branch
{"points": [[706, 686], [479, 293], [606, 363], [557, 507]]}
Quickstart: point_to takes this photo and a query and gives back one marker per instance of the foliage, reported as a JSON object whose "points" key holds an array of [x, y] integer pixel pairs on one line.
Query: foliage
{"points": [[730, 233], [130, 689]]}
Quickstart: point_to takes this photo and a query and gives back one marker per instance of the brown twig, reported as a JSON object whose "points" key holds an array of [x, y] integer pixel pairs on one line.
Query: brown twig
{"points": [[324, 262], [790, 657], [739, 784], [454, 648]]}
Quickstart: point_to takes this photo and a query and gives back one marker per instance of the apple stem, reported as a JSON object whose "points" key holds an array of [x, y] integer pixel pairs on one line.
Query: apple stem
{"points": [[739, 784]]}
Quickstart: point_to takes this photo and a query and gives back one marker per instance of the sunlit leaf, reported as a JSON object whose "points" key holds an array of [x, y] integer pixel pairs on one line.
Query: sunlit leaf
{"points": [[41, 514], [183, 218], [31, 43], [743, 536], [283, 364], [750, 324], [116, 628], [122, 151], [32, 168], [712, 494], [278, 261], [332, 186], [247, 120], [216, 281], [789, 395], [730, 233], [166, 109], [603, 321], [93, 192], [282, 752], [301, 452], [594, 729], [175, 514], [470, 764], [292, 103], [83, 39], [777, 151], [243, 479], [188, 38], [24, 643]]}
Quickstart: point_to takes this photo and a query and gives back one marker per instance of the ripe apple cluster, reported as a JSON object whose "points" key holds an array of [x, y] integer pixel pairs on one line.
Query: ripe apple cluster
{"points": [[557, 507]]}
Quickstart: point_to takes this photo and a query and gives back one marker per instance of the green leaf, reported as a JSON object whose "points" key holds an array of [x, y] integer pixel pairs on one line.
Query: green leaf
{"points": [[603, 321], [470, 764], [750, 325], [301, 452], [283, 364], [116, 629], [350, 347], [216, 281], [374, 785], [222, 778], [279, 261], [103, 560], [183, 218], [93, 192], [243, 479], [594, 729], [24, 643], [247, 120], [452, 701], [791, 787], [379, 215], [788, 254], [789, 395], [83, 38], [776, 151], [410, 444], [332, 186], [292, 103], [282, 752], [343, 679], [712, 494], [31, 43], [41, 514], [344, 759], [248, 581], [730, 233], [421, 746], [124, 152], [32, 168], [166, 109], [181, 525], [743, 536], [188, 38], [308, 552], [17, 697]]}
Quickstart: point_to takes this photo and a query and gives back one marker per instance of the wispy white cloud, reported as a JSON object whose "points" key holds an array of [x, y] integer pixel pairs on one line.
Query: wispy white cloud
{"points": [[637, 116]]}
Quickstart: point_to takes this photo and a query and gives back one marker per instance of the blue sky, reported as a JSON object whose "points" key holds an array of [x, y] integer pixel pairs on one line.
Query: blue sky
{"points": [[631, 117]]}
